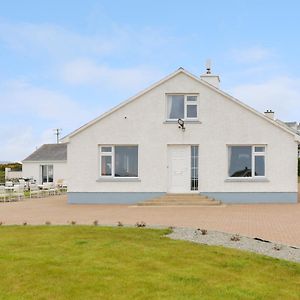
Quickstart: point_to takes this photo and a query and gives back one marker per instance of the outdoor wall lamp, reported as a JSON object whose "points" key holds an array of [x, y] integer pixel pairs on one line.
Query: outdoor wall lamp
{"points": [[181, 124]]}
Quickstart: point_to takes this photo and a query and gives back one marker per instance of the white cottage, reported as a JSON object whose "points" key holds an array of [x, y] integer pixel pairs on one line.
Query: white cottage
{"points": [[47, 164], [182, 135]]}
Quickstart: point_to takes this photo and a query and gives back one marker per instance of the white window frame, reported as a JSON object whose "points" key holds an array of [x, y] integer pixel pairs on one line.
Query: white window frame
{"points": [[47, 167], [112, 154], [186, 103], [253, 155]]}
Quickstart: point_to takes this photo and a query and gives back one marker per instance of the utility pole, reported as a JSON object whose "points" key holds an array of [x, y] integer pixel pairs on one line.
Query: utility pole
{"points": [[57, 132]]}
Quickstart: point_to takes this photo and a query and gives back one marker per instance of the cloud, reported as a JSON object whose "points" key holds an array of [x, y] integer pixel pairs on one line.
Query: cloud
{"points": [[43, 109], [21, 140], [23, 99], [251, 55], [281, 94], [87, 72], [50, 39], [39, 40]]}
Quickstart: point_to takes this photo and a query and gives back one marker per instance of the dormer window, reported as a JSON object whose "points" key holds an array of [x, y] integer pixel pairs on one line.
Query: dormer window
{"points": [[182, 107]]}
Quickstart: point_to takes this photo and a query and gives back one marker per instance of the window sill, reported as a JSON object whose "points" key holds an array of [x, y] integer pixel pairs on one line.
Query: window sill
{"points": [[118, 179], [246, 179], [185, 122]]}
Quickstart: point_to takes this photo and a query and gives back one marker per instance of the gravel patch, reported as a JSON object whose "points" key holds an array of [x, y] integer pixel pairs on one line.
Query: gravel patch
{"points": [[256, 245]]}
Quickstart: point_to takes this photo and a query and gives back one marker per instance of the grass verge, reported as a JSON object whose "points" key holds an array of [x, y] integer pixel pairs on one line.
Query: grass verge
{"points": [[90, 262]]}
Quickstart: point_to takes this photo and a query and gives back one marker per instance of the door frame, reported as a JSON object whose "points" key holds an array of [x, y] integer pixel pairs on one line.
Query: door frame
{"points": [[169, 167]]}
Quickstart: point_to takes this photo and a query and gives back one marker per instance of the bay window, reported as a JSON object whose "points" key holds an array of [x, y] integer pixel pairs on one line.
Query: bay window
{"points": [[247, 161], [119, 161]]}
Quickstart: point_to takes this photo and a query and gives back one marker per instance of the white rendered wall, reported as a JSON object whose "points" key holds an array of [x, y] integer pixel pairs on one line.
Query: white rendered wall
{"points": [[32, 169], [223, 122]]}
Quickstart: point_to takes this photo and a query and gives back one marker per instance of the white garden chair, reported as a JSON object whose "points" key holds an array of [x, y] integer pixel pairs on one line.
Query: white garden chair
{"points": [[34, 191], [18, 192], [3, 195]]}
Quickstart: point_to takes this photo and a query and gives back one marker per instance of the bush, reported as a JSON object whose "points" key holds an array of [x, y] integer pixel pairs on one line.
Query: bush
{"points": [[13, 166]]}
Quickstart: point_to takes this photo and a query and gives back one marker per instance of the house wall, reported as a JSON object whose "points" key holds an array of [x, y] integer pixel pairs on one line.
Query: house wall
{"points": [[32, 169], [223, 122], [9, 174]]}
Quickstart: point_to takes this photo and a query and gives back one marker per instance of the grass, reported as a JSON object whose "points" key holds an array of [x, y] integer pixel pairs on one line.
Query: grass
{"points": [[90, 262]]}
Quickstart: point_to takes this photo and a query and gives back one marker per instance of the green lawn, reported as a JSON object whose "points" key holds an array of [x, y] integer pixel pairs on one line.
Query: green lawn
{"points": [[89, 262]]}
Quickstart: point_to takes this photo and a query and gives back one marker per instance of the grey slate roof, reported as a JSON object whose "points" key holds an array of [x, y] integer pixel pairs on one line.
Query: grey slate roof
{"points": [[49, 152]]}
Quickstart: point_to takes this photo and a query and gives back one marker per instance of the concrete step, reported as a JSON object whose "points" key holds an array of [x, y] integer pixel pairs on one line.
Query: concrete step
{"points": [[177, 204], [180, 200]]}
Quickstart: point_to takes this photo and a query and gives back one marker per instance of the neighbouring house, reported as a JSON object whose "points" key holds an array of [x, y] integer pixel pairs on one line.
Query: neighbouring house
{"points": [[47, 164], [12, 174], [296, 127], [183, 135]]}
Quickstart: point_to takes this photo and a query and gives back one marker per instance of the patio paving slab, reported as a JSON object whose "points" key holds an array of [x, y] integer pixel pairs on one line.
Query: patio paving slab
{"points": [[275, 222]]}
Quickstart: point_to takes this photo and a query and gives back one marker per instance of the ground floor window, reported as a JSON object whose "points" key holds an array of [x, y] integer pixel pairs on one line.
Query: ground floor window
{"points": [[47, 173], [247, 161], [119, 161], [194, 168]]}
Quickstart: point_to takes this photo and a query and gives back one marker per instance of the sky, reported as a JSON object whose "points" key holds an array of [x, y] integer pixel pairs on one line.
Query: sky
{"points": [[63, 63]]}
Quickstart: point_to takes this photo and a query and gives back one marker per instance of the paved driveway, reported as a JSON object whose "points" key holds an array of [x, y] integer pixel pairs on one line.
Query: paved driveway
{"points": [[276, 222]]}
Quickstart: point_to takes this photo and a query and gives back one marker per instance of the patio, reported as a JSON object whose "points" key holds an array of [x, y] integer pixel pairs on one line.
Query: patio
{"points": [[276, 222]]}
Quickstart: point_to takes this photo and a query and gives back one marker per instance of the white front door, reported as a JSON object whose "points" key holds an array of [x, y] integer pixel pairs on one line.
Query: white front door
{"points": [[179, 168]]}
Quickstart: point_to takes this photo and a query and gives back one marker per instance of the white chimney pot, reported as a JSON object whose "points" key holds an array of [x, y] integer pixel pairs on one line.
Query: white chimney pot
{"points": [[270, 114]]}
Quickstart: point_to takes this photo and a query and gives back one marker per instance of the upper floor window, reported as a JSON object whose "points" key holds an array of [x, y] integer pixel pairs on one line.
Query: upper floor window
{"points": [[247, 161], [119, 161], [182, 107]]}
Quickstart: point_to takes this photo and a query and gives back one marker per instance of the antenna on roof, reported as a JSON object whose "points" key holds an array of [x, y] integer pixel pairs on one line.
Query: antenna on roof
{"points": [[208, 66], [57, 132]]}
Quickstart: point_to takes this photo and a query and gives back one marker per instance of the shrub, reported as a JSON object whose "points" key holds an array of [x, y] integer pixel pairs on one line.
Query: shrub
{"points": [[235, 238], [120, 224], [95, 222], [47, 223], [140, 224], [24, 223], [203, 231], [277, 247], [73, 222]]}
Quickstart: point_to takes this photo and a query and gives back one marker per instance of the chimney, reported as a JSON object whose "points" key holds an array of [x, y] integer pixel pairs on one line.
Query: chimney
{"points": [[210, 78], [270, 114]]}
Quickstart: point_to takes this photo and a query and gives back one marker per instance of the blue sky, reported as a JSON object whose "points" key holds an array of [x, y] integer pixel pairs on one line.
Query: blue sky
{"points": [[63, 63]]}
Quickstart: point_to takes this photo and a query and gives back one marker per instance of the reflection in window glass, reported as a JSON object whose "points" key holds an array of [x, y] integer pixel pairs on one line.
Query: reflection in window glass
{"points": [[191, 111], [126, 161], [259, 149], [105, 149], [47, 173], [194, 168], [106, 165], [191, 98], [259, 165], [240, 161]]}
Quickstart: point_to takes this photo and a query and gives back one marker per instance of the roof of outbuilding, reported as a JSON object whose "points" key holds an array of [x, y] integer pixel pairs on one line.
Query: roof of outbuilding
{"points": [[49, 152]]}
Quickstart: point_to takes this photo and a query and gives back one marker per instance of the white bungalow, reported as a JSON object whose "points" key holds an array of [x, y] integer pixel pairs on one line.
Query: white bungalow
{"points": [[47, 164], [183, 135]]}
